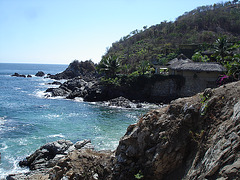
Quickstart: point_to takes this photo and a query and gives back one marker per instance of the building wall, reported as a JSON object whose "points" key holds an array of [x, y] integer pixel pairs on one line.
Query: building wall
{"points": [[164, 88], [195, 82]]}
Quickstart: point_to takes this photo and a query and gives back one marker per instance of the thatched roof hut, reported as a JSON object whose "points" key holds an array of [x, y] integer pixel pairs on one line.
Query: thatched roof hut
{"points": [[197, 66], [180, 59]]}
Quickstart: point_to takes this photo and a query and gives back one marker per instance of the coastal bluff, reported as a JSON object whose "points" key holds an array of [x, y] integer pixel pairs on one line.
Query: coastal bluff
{"points": [[83, 81], [195, 137]]}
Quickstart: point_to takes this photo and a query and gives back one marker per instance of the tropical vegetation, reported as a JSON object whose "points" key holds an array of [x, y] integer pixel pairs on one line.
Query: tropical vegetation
{"points": [[162, 42], [214, 29]]}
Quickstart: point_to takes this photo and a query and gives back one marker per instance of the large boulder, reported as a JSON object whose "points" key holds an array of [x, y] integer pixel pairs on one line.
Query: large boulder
{"points": [[39, 159], [55, 83], [74, 83], [40, 74], [63, 92], [49, 154], [65, 160], [76, 87], [120, 102]]}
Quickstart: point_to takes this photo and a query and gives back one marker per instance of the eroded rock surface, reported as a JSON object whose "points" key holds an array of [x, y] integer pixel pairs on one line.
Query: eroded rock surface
{"points": [[192, 138]]}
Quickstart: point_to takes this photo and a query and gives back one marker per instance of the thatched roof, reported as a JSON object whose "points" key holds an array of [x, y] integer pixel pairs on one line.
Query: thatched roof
{"points": [[180, 59], [198, 66]]}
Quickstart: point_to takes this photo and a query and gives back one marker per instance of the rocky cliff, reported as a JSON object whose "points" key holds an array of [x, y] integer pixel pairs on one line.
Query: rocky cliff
{"points": [[192, 138], [154, 89], [84, 68]]}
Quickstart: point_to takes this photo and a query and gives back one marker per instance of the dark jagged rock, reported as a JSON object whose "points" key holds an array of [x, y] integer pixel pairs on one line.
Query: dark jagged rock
{"points": [[19, 75], [40, 74], [55, 83], [15, 74], [74, 83], [121, 102], [75, 87], [63, 159], [49, 154], [85, 69], [58, 91], [29, 76], [39, 159]]}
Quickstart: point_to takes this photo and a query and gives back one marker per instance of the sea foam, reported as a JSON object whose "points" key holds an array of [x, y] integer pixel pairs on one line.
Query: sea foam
{"points": [[56, 135], [14, 169]]}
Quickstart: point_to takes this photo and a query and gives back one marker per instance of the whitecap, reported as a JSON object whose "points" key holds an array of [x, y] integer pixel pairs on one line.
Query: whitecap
{"points": [[17, 88], [43, 84], [3, 146], [2, 120], [14, 169], [104, 143], [132, 116], [73, 115], [56, 135], [52, 116], [40, 94], [56, 97], [23, 142], [78, 99], [44, 95]]}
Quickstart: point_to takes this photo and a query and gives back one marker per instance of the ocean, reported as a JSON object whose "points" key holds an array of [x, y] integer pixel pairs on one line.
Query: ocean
{"points": [[28, 120]]}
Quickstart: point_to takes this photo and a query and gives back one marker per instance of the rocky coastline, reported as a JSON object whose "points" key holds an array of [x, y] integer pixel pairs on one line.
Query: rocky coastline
{"points": [[82, 81], [191, 138]]}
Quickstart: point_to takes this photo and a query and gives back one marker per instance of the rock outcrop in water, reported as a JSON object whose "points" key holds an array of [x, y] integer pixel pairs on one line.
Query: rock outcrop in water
{"points": [[75, 69], [192, 138], [154, 89], [63, 159], [40, 74], [18, 75]]}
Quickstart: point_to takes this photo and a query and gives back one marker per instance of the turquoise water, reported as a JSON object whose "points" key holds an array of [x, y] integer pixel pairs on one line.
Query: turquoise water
{"points": [[28, 120]]}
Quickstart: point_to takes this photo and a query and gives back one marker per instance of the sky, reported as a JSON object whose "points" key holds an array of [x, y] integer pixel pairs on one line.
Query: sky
{"points": [[60, 31]]}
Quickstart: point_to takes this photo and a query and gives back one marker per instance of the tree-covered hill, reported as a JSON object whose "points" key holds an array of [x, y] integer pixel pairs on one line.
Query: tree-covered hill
{"points": [[201, 26]]}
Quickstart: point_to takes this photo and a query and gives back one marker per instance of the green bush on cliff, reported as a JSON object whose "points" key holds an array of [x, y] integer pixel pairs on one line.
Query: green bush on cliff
{"points": [[111, 81]]}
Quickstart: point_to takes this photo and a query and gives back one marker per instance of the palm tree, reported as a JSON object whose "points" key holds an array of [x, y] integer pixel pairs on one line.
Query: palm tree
{"points": [[143, 67], [222, 48], [109, 65]]}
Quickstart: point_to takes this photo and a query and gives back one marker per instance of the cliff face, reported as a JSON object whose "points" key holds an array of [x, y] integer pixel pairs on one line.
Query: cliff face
{"points": [[192, 138], [75, 69], [156, 88]]}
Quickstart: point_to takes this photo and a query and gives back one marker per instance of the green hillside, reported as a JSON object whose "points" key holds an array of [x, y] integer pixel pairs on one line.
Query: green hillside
{"points": [[162, 42]]}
